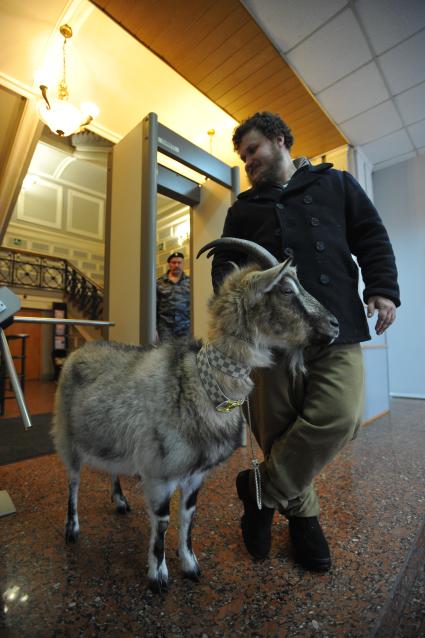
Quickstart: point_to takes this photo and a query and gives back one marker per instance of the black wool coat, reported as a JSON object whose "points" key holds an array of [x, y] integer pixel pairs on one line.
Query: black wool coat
{"points": [[321, 218]]}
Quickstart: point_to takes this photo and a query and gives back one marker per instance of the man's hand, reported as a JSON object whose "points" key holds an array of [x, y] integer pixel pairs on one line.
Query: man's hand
{"points": [[386, 312]]}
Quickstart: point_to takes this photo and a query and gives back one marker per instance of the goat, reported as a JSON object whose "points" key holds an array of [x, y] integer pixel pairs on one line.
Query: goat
{"points": [[164, 413]]}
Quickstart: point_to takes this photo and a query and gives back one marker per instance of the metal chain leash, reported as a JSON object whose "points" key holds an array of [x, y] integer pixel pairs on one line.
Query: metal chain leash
{"points": [[255, 463], [228, 405]]}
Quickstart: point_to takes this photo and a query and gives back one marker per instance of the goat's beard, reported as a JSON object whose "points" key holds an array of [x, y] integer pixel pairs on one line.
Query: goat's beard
{"points": [[296, 363], [271, 170]]}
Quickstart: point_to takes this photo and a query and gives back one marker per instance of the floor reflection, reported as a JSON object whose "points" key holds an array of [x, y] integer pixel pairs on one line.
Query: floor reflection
{"points": [[373, 504]]}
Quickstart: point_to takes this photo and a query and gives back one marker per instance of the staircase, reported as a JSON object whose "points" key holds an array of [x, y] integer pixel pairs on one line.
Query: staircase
{"points": [[23, 271]]}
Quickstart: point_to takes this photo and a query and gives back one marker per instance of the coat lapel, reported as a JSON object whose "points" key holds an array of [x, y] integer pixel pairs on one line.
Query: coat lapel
{"points": [[306, 176], [300, 180]]}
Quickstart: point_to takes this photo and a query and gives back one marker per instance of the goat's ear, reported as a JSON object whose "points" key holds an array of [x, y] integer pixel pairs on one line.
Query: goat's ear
{"points": [[266, 280]]}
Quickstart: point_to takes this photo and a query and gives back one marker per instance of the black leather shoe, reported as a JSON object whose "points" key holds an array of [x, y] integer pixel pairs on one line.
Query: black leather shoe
{"points": [[309, 542], [256, 524]]}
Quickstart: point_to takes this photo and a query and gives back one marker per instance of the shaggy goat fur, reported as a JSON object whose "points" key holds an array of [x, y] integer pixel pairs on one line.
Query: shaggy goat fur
{"points": [[144, 411]]}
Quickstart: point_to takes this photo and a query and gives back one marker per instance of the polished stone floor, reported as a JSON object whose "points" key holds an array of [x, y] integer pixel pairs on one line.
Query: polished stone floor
{"points": [[373, 509]]}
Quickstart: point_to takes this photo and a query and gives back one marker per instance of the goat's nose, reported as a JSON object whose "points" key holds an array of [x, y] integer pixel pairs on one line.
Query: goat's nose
{"points": [[334, 323]]}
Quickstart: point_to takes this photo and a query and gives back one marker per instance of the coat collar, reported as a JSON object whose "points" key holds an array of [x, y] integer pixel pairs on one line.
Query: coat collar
{"points": [[164, 277], [302, 177]]}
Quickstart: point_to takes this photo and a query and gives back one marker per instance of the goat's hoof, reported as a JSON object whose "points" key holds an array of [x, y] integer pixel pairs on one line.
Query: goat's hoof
{"points": [[158, 585], [194, 575], [71, 536], [123, 508], [122, 505]]}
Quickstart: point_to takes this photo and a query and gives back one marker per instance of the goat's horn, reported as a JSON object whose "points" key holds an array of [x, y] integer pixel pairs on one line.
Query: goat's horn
{"points": [[261, 255]]}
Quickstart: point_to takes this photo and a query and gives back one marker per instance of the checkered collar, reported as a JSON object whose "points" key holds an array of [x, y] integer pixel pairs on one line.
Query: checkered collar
{"points": [[209, 357]]}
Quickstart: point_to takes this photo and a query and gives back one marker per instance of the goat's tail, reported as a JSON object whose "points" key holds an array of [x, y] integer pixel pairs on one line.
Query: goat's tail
{"points": [[61, 428]]}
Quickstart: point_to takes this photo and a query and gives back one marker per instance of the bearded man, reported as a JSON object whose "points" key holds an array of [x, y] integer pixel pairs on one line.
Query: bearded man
{"points": [[319, 217]]}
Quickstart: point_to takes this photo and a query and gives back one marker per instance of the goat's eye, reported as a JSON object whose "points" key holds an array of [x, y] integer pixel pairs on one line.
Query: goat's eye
{"points": [[287, 289]]}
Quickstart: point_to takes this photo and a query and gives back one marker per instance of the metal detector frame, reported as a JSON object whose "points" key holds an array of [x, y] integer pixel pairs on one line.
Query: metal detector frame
{"points": [[158, 179]]}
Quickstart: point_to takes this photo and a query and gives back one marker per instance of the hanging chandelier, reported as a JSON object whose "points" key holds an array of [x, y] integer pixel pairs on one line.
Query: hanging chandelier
{"points": [[62, 117]]}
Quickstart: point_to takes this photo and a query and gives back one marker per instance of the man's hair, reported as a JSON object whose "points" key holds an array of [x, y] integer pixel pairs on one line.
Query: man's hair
{"points": [[269, 124]]}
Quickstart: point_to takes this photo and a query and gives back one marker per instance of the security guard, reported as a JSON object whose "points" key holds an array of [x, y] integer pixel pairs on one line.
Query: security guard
{"points": [[173, 300]]}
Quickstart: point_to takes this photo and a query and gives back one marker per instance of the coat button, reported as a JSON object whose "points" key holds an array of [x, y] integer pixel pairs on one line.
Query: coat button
{"points": [[315, 221], [324, 279], [288, 252], [320, 246], [307, 199], [280, 206], [278, 232]]}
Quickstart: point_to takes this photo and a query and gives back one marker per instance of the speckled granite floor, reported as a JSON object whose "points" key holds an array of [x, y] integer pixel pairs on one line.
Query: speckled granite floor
{"points": [[373, 507]]}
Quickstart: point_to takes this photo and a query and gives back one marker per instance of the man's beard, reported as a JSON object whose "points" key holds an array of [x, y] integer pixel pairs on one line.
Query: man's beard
{"points": [[271, 172]]}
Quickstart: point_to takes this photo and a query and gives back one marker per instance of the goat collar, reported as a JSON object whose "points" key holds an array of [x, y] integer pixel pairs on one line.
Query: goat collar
{"points": [[209, 357]]}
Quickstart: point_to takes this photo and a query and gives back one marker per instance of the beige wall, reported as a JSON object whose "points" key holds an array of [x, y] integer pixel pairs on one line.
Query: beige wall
{"points": [[122, 277], [338, 157], [207, 224]]}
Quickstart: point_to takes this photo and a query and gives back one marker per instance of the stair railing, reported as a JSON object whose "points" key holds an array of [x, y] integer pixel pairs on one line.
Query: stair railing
{"points": [[25, 269]]}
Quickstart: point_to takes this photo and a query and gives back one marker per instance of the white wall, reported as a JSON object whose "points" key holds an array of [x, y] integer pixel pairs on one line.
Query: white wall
{"points": [[400, 198]]}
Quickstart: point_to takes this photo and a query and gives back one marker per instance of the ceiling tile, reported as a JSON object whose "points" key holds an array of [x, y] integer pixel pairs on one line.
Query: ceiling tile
{"points": [[392, 145], [411, 104], [404, 65], [287, 23], [317, 59], [375, 123], [388, 22], [354, 94], [395, 160], [417, 133]]}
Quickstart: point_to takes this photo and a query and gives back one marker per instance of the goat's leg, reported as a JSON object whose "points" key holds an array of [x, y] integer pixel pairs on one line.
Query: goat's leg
{"points": [[118, 497], [158, 495], [189, 492], [72, 528]]}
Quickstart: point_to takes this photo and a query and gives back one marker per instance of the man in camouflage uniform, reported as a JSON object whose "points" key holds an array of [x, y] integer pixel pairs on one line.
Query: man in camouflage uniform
{"points": [[173, 300]]}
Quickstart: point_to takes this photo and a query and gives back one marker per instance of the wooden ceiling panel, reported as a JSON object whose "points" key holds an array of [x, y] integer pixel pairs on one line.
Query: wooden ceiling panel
{"points": [[200, 67], [239, 66], [286, 91], [180, 21], [195, 33], [291, 101], [252, 87], [219, 48]]}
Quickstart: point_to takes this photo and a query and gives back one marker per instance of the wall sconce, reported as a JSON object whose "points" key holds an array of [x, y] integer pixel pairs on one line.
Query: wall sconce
{"points": [[211, 134], [62, 117]]}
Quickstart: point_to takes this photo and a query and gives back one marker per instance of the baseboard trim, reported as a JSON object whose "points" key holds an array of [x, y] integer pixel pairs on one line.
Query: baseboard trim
{"points": [[376, 417], [401, 395]]}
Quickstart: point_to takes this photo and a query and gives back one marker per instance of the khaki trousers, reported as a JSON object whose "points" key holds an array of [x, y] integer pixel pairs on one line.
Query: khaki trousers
{"points": [[301, 424]]}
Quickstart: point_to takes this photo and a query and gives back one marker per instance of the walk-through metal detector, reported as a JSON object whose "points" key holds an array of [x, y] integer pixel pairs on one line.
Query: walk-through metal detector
{"points": [[159, 179]]}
